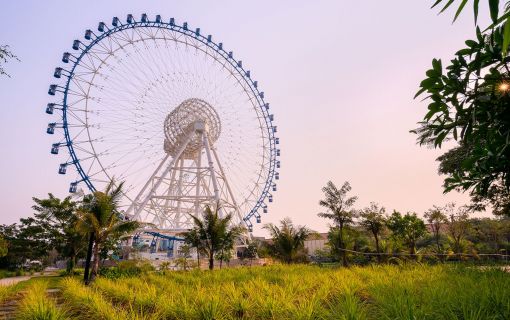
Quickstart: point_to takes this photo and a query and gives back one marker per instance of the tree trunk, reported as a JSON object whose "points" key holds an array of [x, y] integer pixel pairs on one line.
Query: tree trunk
{"points": [[412, 250], [198, 259], [211, 260], [89, 257], [95, 263], [377, 249], [342, 247], [71, 263], [439, 251]]}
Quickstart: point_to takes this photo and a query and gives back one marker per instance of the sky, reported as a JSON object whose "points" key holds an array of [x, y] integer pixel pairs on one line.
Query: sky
{"points": [[340, 77]]}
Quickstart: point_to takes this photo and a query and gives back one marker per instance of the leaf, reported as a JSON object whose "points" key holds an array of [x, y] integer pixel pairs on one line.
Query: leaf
{"points": [[419, 92], [436, 64], [436, 3], [459, 10], [475, 10], [439, 139], [506, 37], [446, 6], [500, 19], [471, 43], [494, 9]]}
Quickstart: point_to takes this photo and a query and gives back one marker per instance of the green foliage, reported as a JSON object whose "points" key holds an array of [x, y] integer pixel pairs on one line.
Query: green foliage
{"points": [[58, 220], [339, 210], [500, 18], [407, 291], [373, 220], [37, 305], [213, 234], [436, 219], [468, 103], [51, 228], [408, 228], [458, 227], [3, 247], [288, 241], [99, 216], [129, 268]]}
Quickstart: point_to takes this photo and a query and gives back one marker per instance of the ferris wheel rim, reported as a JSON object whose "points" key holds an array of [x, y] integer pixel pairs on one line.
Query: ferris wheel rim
{"points": [[209, 43]]}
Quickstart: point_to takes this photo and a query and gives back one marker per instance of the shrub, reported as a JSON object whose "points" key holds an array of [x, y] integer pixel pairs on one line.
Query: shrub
{"points": [[128, 268]]}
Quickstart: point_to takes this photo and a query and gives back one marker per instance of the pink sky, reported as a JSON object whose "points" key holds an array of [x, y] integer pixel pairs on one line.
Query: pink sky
{"points": [[340, 77]]}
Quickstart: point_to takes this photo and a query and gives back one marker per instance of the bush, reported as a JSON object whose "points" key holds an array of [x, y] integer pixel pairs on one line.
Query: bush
{"points": [[128, 268]]}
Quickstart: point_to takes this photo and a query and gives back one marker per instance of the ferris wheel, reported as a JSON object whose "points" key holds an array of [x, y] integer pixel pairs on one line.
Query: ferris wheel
{"points": [[172, 114]]}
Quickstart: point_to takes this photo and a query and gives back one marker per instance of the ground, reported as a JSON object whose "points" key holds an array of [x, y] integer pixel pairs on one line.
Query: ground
{"points": [[274, 292]]}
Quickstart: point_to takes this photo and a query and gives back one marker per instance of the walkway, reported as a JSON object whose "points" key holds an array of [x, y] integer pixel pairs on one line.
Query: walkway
{"points": [[13, 280]]}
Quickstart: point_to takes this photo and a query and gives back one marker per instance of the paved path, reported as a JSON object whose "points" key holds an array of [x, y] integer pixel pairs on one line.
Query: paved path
{"points": [[13, 280]]}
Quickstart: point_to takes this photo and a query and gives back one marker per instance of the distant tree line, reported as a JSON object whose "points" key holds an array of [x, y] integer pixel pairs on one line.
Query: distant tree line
{"points": [[372, 235]]}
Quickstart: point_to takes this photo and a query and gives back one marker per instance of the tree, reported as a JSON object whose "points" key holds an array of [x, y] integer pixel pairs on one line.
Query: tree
{"points": [[437, 219], [251, 251], [5, 55], [58, 220], [192, 238], [339, 209], [213, 234], [288, 241], [494, 6], [4, 249], [373, 220], [458, 226], [408, 228], [183, 254], [468, 104], [26, 241], [100, 219]]}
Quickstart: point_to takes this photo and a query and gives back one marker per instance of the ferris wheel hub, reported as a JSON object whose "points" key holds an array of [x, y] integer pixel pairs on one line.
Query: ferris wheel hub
{"points": [[192, 117]]}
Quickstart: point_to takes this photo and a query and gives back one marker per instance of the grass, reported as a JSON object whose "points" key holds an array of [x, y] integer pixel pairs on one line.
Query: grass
{"points": [[6, 273], [37, 305], [286, 292]]}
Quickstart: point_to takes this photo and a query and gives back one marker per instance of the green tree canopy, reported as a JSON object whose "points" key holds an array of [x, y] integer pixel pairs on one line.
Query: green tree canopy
{"points": [[408, 228], [373, 219], [58, 220], [288, 241], [437, 219], [339, 210], [213, 234], [4, 248], [469, 101], [99, 216]]}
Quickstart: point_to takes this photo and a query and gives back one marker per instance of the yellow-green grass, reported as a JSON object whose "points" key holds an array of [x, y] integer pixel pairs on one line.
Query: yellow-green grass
{"points": [[299, 292], [36, 304]]}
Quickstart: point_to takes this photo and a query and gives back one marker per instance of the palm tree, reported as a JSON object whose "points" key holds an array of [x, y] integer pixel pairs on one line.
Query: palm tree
{"points": [[288, 241], [339, 209], [213, 234], [192, 238], [99, 217], [373, 220]]}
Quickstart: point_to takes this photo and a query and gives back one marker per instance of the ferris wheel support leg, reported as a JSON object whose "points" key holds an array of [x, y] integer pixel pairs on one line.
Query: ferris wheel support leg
{"points": [[205, 140], [179, 190], [228, 186], [132, 206], [163, 175], [197, 190]]}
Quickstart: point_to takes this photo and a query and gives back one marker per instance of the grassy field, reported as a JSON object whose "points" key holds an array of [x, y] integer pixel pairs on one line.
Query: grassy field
{"points": [[280, 292]]}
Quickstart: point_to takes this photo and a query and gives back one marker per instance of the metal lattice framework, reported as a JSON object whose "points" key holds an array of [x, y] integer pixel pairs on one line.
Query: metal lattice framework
{"points": [[170, 112]]}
